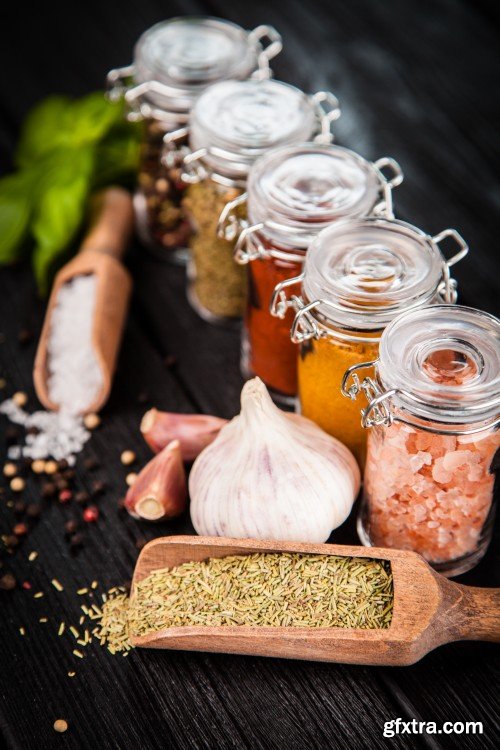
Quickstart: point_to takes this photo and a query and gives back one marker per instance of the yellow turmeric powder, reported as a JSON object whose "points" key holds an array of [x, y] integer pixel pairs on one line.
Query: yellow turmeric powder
{"points": [[321, 367]]}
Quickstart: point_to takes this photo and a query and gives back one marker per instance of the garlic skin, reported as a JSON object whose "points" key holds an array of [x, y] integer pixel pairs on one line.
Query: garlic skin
{"points": [[193, 431], [272, 475], [160, 489]]}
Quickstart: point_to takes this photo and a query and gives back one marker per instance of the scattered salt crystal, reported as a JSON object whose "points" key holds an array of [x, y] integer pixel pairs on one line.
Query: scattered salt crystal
{"points": [[74, 378]]}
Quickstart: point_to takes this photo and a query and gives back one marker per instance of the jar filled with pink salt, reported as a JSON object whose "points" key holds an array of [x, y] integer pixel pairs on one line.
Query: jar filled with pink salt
{"points": [[433, 416]]}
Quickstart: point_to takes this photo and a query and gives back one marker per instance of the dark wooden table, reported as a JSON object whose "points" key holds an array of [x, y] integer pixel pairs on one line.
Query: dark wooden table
{"points": [[418, 80]]}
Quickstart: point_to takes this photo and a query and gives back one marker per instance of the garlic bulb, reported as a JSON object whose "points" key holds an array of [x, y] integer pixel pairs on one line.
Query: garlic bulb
{"points": [[272, 475]]}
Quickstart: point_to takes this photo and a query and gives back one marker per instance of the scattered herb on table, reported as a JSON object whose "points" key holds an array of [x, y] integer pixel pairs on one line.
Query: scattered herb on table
{"points": [[68, 148]]}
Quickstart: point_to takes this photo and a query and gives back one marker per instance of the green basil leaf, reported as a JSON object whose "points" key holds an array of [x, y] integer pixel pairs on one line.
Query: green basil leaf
{"points": [[60, 123], [117, 156], [44, 129], [60, 211], [15, 211], [93, 116]]}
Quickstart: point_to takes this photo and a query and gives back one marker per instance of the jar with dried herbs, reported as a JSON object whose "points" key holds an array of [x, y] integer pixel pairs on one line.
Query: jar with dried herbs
{"points": [[174, 62], [231, 125], [358, 276], [433, 414], [293, 193]]}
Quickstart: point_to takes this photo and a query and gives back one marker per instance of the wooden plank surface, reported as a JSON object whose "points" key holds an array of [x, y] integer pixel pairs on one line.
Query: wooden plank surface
{"points": [[418, 80]]}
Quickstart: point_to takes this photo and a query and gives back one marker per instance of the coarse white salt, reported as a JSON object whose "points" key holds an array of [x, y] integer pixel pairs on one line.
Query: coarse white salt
{"points": [[74, 378]]}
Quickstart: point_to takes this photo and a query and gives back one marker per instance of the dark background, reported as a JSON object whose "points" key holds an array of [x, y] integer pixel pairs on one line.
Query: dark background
{"points": [[418, 81]]}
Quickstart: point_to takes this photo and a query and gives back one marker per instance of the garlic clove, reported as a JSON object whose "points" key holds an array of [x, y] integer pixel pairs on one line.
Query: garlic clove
{"points": [[159, 490], [272, 475], [193, 431]]}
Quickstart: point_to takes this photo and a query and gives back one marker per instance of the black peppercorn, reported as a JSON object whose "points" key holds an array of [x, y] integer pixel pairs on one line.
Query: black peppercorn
{"points": [[7, 582], [76, 541], [49, 489], [82, 497], [33, 510], [12, 435], [91, 463], [11, 541], [61, 483], [25, 336], [71, 526], [69, 474], [62, 464], [19, 507], [98, 487]]}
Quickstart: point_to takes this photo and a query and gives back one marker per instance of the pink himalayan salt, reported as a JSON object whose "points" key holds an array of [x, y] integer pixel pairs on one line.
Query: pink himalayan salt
{"points": [[429, 493]]}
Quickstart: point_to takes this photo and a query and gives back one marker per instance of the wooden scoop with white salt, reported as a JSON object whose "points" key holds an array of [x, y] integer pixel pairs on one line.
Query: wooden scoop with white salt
{"points": [[85, 317]]}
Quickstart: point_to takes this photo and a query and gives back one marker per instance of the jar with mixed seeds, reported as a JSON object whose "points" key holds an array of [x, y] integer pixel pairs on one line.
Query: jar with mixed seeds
{"points": [[231, 125], [433, 412], [293, 193], [174, 61], [359, 274]]}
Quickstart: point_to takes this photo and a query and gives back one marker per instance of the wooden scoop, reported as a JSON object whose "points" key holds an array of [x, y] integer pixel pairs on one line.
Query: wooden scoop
{"points": [[429, 610], [100, 254]]}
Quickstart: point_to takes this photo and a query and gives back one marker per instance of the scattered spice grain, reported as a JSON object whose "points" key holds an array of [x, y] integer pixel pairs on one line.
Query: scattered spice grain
{"points": [[17, 484], [60, 725], [20, 399], [91, 421], [57, 585], [10, 470], [127, 458]]}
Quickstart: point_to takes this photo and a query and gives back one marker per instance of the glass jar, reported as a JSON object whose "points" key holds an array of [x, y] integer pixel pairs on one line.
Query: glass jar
{"points": [[433, 414], [358, 275], [231, 125], [174, 61], [293, 193]]}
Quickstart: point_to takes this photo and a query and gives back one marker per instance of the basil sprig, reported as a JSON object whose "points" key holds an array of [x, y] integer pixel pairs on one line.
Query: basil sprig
{"points": [[67, 149]]}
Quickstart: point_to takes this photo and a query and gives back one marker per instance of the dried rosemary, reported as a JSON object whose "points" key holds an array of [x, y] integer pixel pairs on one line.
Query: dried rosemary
{"points": [[272, 590]]}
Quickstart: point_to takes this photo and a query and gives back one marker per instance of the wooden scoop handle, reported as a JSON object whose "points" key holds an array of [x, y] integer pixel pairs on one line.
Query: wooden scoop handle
{"points": [[111, 223], [478, 616]]}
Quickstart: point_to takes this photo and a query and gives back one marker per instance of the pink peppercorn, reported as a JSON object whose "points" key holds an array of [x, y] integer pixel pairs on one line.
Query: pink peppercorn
{"points": [[20, 529], [91, 514], [26, 585], [65, 496]]}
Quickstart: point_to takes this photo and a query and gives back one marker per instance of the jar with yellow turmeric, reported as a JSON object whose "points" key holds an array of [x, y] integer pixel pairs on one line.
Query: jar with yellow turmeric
{"points": [[358, 276]]}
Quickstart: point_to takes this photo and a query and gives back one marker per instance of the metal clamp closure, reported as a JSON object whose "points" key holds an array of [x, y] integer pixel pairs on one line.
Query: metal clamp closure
{"points": [[377, 412], [448, 288], [248, 248], [118, 81], [279, 302], [172, 154], [327, 109], [229, 225], [138, 107], [193, 170], [269, 40], [388, 181], [304, 327]]}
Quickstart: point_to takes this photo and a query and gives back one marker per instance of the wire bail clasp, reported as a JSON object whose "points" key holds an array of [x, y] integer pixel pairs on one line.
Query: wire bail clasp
{"points": [[269, 40], [230, 225], [280, 303], [119, 81], [174, 147], [327, 109], [448, 287], [389, 182], [377, 411]]}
